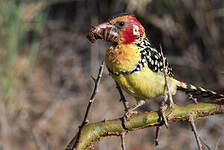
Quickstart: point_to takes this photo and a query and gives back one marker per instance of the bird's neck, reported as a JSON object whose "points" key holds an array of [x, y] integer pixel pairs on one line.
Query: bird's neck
{"points": [[122, 57]]}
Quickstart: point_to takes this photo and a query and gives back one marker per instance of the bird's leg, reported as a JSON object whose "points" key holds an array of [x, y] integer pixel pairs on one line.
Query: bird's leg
{"points": [[128, 110], [190, 96], [131, 109], [162, 117]]}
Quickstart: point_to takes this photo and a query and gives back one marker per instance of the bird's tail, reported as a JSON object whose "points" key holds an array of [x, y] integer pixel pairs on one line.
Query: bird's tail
{"points": [[199, 91]]}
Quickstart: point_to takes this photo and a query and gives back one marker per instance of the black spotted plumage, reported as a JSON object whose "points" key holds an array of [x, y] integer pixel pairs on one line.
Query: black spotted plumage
{"points": [[153, 57]]}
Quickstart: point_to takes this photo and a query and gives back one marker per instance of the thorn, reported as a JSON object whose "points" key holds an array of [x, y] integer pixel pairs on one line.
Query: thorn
{"points": [[94, 80]]}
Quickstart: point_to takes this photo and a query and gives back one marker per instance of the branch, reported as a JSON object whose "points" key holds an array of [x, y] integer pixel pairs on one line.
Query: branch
{"points": [[191, 120], [75, 140], [123, 99], [165, 70], [123, 147], [92, 132]]}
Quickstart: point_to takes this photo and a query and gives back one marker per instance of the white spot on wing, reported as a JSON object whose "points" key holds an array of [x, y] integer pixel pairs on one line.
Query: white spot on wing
{"points": [[156, 62], [152, 62]]}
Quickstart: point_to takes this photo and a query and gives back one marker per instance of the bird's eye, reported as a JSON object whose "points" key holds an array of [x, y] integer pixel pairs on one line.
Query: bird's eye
{"points": [[121, 24]]}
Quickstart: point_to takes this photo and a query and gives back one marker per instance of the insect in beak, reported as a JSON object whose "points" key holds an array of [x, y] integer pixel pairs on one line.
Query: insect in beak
{"points": [[104, 31]]}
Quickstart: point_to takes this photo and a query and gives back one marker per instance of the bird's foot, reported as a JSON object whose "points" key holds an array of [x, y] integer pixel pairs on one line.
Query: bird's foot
{"points": [[162, 110], [131, 110], [162, 119], [190, 97], [128, 114]]}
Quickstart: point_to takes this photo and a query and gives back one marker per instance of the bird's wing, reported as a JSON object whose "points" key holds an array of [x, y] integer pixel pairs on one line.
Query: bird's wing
{"points": [[153, 57]]}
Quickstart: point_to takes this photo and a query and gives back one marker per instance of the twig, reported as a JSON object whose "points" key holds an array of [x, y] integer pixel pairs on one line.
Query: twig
{"points": [[191, 120], [217, 143], [170, 98], [123, 147], [122, 97], [157, 136], [204, 143], [162, 109], [75, 140], [41, 144]]}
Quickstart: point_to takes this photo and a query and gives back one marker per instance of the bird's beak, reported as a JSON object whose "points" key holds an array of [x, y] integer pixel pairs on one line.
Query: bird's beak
{"points": [[104, 31]]}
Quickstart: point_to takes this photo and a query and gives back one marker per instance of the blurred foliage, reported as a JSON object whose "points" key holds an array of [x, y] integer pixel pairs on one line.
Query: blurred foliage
{"points": [[19, 40]]}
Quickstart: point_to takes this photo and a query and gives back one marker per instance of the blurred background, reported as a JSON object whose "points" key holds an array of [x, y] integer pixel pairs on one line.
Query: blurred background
{"points": [[46, 62]]}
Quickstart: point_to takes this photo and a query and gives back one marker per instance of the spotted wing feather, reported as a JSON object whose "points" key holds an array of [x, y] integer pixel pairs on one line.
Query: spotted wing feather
{"points": [[153, 57]]}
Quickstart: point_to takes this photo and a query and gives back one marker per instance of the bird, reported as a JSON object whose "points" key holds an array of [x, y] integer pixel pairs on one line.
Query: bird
{"points": [[135, 64]]}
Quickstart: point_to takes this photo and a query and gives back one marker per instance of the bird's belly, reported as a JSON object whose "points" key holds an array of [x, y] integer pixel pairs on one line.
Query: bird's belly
{"points": [[144, 84]]}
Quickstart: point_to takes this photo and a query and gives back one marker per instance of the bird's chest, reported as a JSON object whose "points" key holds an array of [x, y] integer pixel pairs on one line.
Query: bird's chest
{"points": [[122, 58]]}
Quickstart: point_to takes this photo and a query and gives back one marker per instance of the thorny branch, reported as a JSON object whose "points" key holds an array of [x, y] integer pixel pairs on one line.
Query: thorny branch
{"points": [[75, 140]]}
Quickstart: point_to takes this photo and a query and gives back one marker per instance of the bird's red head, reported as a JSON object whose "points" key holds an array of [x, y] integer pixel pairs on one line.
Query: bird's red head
{"points": [[130, 28], [122, 29]]}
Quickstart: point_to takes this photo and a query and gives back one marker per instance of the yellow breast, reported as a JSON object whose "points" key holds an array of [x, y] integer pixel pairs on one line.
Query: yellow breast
{"points": [[122, 57], [143, 84]]}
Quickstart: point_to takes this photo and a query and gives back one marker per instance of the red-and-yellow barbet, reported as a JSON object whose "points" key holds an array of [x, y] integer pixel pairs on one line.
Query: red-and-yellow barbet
{"points": [[135, 64]]}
